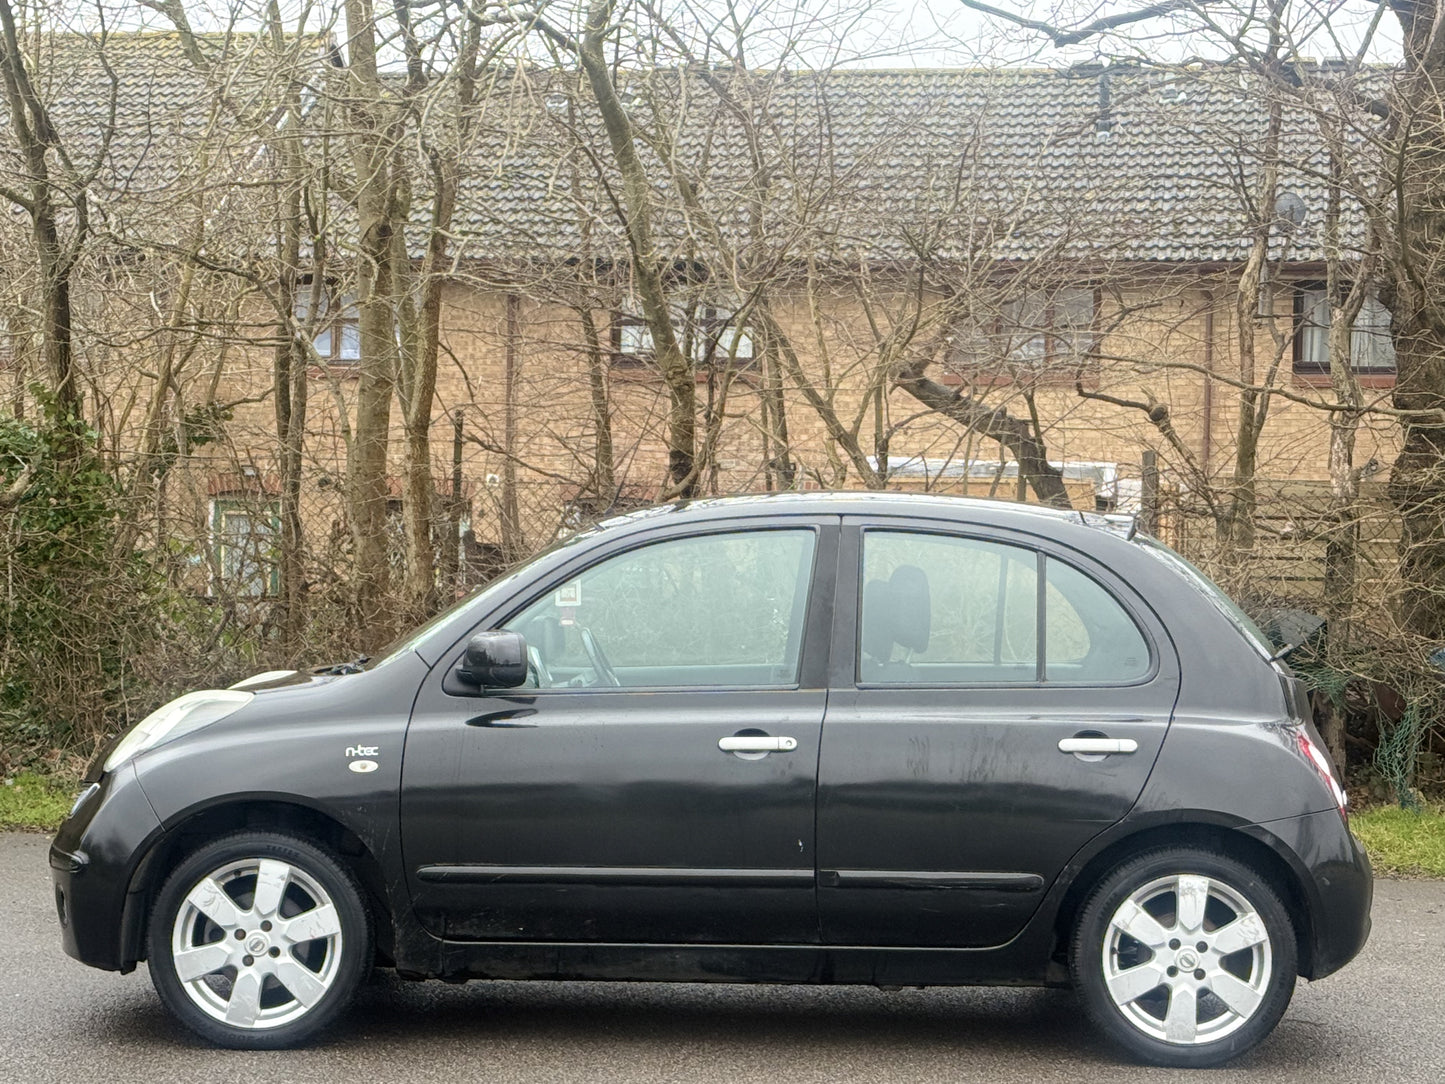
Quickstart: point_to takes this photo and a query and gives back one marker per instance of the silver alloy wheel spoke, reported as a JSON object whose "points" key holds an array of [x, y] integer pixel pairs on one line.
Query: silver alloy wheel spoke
{"points": [[272, 878], [265, 970], [196, 963], [309, 925], [1238, 995], [211, 900], [1159, 973], [245, 1002], [1244, 932], [1193, 897], [1181, 1025], [300, 982], [1140, 925], [1134, 983]]}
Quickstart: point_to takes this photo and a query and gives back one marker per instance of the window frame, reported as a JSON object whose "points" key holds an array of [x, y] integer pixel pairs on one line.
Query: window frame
{"points": [[1318, 372], [340, 311], [812, 645], [714, 322], [1043, 552], [1056, 365], [223, 505]]}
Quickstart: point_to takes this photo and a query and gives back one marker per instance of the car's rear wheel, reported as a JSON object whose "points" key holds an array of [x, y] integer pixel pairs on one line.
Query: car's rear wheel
{"points": [[259, 940], [1185, 957]]}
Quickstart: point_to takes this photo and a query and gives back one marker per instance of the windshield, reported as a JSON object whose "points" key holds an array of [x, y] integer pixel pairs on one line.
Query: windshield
{"points": [[1210, 590], [413, 640]]}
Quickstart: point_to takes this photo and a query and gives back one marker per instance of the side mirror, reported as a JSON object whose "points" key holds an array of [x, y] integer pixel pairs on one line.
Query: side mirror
{"points": [[495, 659]]}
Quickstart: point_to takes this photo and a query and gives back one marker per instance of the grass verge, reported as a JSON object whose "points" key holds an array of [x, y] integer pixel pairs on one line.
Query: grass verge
{"points": [[28, 800], [1401, 841]]}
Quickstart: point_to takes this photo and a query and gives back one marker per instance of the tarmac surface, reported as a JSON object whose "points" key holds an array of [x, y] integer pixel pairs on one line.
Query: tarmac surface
{"points": [[1380, 1019]]}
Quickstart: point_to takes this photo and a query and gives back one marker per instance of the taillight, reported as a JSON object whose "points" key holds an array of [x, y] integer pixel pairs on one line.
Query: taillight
{"points": [[1316, 756]]}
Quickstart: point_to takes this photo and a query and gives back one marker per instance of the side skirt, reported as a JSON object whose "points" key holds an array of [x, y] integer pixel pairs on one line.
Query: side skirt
{"points": [[787, 964]]}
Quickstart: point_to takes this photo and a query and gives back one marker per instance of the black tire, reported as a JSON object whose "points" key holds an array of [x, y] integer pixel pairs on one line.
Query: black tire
{"points": [[1260, 978], [216, 1005]]}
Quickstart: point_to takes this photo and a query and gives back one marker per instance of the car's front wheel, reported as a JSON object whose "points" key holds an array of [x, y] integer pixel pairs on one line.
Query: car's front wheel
{"points": [[259, 940], [1185, 957]]}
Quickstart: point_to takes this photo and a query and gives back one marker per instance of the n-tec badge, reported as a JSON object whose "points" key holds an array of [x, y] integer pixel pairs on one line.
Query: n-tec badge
{"points": [[363, 765]]}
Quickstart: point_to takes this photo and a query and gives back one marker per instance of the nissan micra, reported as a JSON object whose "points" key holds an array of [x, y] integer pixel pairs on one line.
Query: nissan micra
{"points": [[824, 738]]}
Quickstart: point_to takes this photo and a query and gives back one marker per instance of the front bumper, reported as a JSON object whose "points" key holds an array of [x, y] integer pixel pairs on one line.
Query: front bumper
{"points": [[1335, 873], [93, 859]]}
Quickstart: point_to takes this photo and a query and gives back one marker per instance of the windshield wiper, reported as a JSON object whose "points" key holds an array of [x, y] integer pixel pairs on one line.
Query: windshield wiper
{"points": [[355, 666]]}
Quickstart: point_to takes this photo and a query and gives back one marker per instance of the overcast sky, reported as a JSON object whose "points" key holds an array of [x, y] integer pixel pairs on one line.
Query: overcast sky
{"points": [[913, 33]]}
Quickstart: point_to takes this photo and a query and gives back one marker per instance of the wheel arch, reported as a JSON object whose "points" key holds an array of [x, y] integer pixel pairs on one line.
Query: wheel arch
{"points": [[279, 815], [1248, 849]]}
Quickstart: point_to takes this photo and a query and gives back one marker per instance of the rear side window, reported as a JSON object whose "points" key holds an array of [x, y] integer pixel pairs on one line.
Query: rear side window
{"points": [[1089, 635], [941, 609]]}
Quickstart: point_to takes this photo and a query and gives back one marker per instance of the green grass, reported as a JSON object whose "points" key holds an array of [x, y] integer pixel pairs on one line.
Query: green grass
{"points": [[35, 801], [1402, 842]]}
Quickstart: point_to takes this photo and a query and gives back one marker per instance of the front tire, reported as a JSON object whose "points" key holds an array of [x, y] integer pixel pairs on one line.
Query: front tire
{"points": [[258, 940], [1185, 957]]}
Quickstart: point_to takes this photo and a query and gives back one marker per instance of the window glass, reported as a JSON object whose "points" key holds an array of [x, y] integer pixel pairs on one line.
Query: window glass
{"points": [[245, 548], [724, 609], [944, 609], [1371, 348], [1088, 636], [938, 609]]}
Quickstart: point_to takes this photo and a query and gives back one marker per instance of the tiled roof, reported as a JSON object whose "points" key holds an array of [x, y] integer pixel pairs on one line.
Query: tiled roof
{"points": [[860, 164], [1010, 165]]}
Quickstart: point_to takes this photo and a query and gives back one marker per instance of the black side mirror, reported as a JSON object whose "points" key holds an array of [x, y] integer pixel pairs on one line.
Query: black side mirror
{"points": [[495, 659]]}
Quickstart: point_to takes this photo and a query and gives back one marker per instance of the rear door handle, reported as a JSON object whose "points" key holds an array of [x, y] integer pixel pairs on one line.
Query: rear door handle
{"points": [[763, 743], [1098, 746]]}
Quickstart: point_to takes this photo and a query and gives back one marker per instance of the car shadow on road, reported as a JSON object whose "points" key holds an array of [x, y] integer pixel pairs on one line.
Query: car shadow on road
{"points": [[1021, 1029]]}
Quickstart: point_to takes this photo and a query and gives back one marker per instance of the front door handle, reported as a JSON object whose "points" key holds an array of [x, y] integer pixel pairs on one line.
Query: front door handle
{"points": [[1098, 746], [756, 743]]}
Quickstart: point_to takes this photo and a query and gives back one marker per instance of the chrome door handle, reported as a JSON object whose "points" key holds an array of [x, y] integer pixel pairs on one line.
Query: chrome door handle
{"points": [[749, 743], [1098, 746]]}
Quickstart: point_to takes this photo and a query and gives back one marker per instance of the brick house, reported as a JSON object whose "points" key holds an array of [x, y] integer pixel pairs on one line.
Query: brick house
{"points": [[1062, 246]]}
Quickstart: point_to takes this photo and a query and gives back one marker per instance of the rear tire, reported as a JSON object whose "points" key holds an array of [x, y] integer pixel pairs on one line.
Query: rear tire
{"points": [[258, 941], [1185, 957]]}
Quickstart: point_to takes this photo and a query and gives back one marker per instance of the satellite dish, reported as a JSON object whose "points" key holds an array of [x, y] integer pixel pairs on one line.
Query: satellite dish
{"points": [[1290, 210]]}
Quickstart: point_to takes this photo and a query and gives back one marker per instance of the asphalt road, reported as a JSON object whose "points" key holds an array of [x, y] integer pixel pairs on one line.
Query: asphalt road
{"points": [[1380, 1020]]}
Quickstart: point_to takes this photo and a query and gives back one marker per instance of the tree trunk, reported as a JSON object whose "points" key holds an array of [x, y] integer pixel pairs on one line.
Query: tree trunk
{"points": [[1415, 268], [648, 265], [366, 482]]}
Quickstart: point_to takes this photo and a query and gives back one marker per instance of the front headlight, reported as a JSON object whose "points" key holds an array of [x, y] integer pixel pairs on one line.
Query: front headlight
{"points": [[180, 716]]}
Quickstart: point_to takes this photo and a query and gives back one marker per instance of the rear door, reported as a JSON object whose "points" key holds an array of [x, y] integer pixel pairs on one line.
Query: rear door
{"points": [[977, 678]]}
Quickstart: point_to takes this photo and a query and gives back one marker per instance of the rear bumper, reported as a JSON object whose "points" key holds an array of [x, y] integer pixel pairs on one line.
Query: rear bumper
{"points": [[92, 859], [1335, 875]]}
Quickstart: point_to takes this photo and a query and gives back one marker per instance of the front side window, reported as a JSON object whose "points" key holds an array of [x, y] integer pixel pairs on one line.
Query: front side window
{"points": [[940, 609], [709, 611], [1372, 351]]}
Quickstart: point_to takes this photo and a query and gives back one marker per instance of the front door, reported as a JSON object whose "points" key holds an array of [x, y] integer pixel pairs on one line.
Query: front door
{"points": [[655, 779], [975, 676]]}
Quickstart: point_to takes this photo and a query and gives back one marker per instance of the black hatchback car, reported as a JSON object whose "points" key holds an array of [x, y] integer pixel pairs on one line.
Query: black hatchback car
{"points": [[826, 738]]}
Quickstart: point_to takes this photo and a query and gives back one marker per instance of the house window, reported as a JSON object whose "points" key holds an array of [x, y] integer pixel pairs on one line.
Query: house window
{"points": [[245, 535], [709, 336], [1045, 327], [1372, 352], [1030, 332], [336, 329]]}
